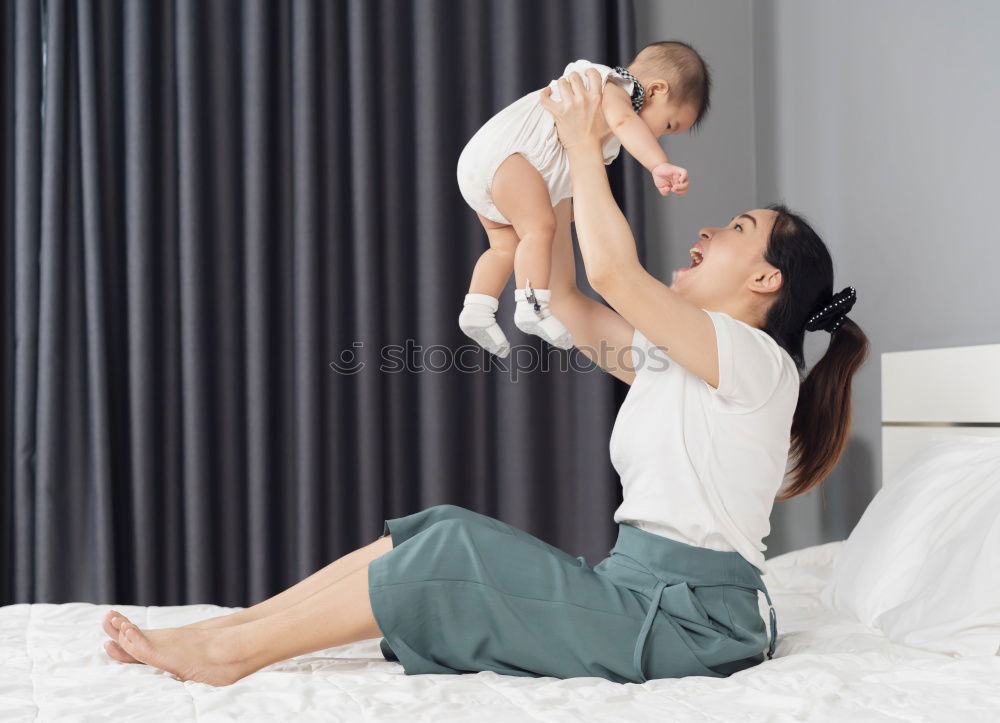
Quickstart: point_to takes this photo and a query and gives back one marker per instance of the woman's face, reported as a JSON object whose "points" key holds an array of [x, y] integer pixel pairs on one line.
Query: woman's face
{"points": [[733, 275]]}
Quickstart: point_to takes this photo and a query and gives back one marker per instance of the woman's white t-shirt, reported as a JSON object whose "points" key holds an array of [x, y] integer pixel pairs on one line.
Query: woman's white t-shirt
{"points": [[703, 465]]}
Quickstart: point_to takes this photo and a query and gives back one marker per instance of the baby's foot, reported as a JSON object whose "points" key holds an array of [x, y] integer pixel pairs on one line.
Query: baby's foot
{"points": [[542, 322], [478, 322]]}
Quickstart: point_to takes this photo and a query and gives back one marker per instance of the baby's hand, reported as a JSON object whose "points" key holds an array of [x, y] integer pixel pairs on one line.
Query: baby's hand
{"points": [[667, 177]]}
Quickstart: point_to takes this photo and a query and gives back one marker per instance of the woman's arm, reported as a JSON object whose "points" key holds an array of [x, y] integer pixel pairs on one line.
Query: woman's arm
{"points": [[608, 248], [600, 333]]}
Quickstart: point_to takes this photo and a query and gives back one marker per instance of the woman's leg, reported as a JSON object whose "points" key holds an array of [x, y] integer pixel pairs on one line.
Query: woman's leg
{"points": [[328, 575], [336, 570], [333, 615]]}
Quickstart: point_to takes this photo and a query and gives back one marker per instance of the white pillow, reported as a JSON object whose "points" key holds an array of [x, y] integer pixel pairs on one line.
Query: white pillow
{"points": [[923, 562]]}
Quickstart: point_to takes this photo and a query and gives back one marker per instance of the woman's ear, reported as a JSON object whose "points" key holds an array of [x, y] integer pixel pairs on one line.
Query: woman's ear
{"points": [[769, 280]]}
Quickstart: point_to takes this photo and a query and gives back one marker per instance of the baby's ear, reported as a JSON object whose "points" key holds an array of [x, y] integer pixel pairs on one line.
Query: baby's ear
{"points": [[660, 87]]}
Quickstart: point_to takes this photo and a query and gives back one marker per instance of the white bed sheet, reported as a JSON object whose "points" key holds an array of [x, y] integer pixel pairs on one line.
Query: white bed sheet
{"points": [[826, 667]]}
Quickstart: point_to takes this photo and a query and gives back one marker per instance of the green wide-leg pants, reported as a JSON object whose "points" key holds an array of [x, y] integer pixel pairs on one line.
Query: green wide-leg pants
{"points": [[462, 592]]}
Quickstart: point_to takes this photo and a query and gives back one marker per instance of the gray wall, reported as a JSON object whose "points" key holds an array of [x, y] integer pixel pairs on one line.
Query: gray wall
{"points": [[880, 122], [720, 156]]}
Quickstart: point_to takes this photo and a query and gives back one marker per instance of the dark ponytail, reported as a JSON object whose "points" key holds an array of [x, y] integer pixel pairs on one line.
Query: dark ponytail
{"points": [[822, 416]]}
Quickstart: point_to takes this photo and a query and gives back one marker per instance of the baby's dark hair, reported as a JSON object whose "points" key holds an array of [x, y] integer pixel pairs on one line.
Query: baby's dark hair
{"points": [[686, 71]]}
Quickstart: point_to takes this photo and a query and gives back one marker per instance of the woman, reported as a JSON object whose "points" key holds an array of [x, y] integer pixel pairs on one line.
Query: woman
{"points": [[714, 412]]}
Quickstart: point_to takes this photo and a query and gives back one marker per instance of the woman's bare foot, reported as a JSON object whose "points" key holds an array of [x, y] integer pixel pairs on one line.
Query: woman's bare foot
{"points": [[216, 657], [113, 620], [327, 575]]}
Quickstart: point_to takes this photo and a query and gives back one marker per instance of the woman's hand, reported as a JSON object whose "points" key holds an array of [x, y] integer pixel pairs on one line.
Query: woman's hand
{"points": [[577, 115]]}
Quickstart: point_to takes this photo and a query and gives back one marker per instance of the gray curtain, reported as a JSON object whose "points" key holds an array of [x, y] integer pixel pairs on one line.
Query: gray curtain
{"points": [[208, 208]]}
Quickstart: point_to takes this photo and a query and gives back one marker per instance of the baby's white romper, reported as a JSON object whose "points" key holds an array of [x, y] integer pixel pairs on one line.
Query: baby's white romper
{"points": [[526, 127], [523, 127]]}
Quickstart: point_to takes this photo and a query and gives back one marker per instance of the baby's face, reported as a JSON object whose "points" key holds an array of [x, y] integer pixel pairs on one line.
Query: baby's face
{"points": [[668, 118], [675, 118]]}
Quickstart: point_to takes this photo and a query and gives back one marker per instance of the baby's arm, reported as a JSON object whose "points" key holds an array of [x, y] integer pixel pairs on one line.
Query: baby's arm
{"points": [[639, 141], [630, 129]]}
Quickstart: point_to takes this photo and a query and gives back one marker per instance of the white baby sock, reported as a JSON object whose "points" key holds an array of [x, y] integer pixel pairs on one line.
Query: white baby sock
{"points": [[478, 322], [541, 322]]}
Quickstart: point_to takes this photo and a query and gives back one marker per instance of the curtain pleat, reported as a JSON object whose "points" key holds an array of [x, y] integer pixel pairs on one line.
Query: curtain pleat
{"points": [[24, 189]]}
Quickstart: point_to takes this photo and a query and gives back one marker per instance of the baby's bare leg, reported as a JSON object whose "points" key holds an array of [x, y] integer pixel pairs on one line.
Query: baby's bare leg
{"points": [[520, 193], [495, 266]]}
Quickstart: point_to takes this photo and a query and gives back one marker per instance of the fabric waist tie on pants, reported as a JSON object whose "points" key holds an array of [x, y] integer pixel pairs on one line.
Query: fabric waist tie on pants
{"points": [[673, 562]]}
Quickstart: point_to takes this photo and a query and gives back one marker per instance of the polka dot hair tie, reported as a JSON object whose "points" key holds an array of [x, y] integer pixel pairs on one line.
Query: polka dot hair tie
{"points": [[832, 314], [638, 92]]}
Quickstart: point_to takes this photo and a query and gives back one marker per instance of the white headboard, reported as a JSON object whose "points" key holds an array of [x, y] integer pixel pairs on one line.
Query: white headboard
{"points": [[948, 391]]}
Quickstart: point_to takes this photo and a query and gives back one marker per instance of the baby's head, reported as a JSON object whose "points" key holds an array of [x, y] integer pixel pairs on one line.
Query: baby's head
{"points": [[677, 82]]}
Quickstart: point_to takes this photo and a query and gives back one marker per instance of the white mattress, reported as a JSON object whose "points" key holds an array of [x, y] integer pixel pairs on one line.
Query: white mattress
{"points": [[53, 666]]}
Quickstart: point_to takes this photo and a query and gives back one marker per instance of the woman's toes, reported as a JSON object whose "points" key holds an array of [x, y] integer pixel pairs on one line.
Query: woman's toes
{"points": [[133, 642], [114, 620], [122, 619], [111, 623], [114, 650]]}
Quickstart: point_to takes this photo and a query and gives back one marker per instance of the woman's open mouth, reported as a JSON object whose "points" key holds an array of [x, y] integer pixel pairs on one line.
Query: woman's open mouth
{"points": [[697, 258]]}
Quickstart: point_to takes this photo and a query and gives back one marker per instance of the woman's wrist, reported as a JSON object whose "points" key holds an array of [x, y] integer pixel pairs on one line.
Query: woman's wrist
{"points": [[586, 168], [584, 147], [585, 157]]}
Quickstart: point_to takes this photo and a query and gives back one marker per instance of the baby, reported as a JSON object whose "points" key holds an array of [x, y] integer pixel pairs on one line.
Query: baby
{"points": [[514, 171]]}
